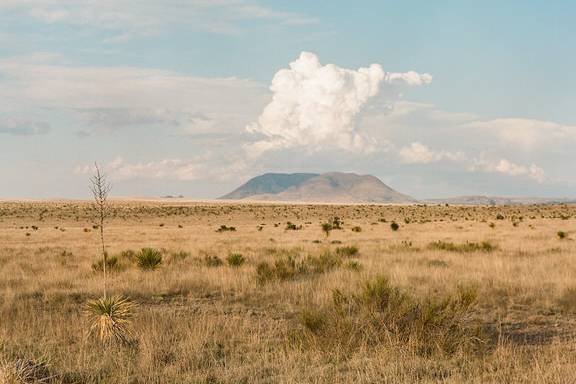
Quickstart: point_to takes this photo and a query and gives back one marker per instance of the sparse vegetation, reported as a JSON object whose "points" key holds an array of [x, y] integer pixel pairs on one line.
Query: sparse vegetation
{"points": [[484, 246], [452, 311]]}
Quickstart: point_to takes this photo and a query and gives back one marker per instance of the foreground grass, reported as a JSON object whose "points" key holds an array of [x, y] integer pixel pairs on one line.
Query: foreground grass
{"points": [[427, 303]]}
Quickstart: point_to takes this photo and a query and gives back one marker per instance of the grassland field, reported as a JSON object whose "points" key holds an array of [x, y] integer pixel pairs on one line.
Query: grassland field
{"points": [[259, 293]]}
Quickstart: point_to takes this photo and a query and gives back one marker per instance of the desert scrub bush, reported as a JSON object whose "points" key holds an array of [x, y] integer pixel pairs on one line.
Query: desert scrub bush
{"points": [[561, 235], [110, 318], [357, 229], [292, 227], [350, 251], [212, 261], [394, 226], [224, 228], [235, 260], [381, 314], [467, 247], [148, 259]]}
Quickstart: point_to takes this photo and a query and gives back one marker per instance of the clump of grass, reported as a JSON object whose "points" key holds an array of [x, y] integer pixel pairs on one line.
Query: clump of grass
{"points": [[235, 260], [179, 256], [437, 263], [394, 226], [112, 264], [292, 267], [24, 371], [382, 314], [225, 228], [467, 247], [212, 261], [323, 263], [110, 318], [350, 251], [284, 268], [354, 265], [148, 259]]}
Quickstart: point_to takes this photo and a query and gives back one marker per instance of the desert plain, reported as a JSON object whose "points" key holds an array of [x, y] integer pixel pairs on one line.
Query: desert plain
{"points": [[262, 293]]}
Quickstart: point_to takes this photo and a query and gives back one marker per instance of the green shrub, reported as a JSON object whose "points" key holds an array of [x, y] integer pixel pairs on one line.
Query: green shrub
{"points": [[148, 259], [235, 259], [394, 226]]}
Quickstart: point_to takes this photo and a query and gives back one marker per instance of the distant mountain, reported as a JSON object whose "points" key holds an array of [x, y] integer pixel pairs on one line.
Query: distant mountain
{"points": [[335, 187], [498, 200], [268, 183]]}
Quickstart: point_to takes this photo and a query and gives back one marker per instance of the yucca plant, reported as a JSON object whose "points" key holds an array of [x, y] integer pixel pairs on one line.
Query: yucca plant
{"points": [[110, 318], [148, 259]]}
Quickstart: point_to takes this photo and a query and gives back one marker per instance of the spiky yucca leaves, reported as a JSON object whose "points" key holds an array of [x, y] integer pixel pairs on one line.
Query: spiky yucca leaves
{"points": [[148, 259], [110, 318]]}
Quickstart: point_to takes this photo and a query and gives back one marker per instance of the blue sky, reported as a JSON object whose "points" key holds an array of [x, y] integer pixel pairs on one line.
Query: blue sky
{"points": [[193, 97]]}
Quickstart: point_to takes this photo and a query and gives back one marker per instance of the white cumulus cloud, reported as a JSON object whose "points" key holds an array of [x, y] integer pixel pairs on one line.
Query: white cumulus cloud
{"points": [[315, 105], [507, 167], [418, 153]]}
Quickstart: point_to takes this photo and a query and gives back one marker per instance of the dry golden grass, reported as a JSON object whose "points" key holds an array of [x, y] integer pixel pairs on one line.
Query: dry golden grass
{"points": [[201, 320]]}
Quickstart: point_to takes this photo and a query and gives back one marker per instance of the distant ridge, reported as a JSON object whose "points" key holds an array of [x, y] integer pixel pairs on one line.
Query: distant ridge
{"points": [[334, 187], [499, 200]]}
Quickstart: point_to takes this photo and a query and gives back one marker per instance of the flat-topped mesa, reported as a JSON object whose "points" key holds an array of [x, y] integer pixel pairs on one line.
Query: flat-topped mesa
{"points": [[333, 187]]}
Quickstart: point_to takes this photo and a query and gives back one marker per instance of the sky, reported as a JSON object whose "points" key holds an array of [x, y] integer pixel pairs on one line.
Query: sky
{"points": [[194, 97]]}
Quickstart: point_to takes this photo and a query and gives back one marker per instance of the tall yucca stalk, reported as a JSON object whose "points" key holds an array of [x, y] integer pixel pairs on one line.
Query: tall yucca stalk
{"points": [[100, 188]]}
